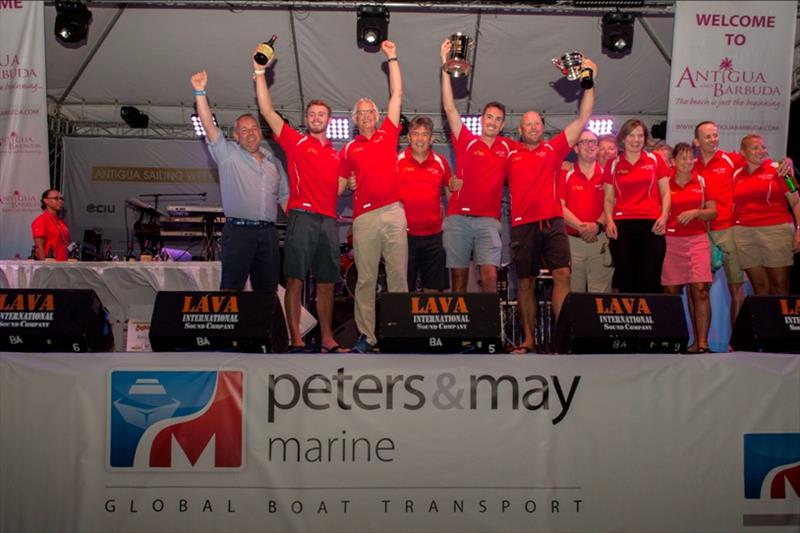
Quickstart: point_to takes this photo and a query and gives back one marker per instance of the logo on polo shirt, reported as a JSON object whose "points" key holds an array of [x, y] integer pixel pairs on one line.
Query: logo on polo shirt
{"points": [[187, 420]]}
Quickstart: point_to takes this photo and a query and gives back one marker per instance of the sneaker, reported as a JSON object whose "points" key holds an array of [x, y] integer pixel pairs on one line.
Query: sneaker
{"points": [[362, 345]]}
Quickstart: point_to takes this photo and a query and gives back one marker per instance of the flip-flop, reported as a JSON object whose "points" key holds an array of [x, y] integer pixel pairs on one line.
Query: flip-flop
{"points": [[334, 349], [298, 349], [521, 350]]}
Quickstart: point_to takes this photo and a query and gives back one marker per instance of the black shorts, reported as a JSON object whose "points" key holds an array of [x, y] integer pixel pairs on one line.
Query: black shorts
{"points": [[426, 260], [543, 239], [312, 243]]}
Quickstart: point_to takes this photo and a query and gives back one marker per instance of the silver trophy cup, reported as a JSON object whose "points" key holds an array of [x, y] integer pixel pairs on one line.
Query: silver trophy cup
{"points": [[457, 64], [570, 65]]}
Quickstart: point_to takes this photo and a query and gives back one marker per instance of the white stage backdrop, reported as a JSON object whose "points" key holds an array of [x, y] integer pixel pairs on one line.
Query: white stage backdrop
{"points": [[24, 169], [732, 63], [101, 173], [224, 442]]}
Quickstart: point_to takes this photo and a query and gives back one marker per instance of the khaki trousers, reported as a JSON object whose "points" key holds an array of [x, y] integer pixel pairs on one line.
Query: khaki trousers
{"points": [[378, 233], [588, 264]]}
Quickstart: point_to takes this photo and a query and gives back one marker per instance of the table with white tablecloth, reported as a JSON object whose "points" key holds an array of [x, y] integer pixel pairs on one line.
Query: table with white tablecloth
{"points": [[127, 289]]}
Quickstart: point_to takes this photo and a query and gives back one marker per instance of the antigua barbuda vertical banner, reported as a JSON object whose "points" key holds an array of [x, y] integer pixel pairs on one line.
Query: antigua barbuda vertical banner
{"points": [[732, 64], [24, 167]]}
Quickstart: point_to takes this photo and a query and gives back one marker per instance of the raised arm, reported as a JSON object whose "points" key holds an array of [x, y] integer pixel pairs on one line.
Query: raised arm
{"points": [[574, 128], [448, 102], [199, 82], [265, 106], [395, 82]]}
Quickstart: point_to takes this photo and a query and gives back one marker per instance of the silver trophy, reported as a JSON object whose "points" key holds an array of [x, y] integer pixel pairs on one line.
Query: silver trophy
{"points": [[571, 66], [457, 64]]}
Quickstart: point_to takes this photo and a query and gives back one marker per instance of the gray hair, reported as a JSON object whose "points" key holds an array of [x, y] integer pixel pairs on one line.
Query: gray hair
{"points": [[355, 108]]}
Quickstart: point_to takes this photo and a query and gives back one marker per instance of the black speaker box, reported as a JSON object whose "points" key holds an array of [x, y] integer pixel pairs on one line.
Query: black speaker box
{"points": [[768, 324], [597, 323], [53, 320], [233, 321], [450, 322]]}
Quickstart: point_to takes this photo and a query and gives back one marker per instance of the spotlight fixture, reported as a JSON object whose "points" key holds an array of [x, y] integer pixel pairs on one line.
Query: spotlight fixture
{"points": [[600, 126], [339, 129], [197, 124], [617, 32], [72, 21], [133, 117], [659, 130], [472, 123], [372, 25], [404, 122]]}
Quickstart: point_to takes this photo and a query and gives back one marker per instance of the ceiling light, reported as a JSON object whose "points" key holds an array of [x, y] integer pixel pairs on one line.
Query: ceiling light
{"points": [[133, 117], [372, 25], [72, 21], [617, 32]]}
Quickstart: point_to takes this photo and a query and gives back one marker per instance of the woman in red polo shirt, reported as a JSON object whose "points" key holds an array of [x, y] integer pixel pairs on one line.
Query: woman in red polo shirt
{"points": [[636, 204], [763, 232], [688, 257], [50, 233]]}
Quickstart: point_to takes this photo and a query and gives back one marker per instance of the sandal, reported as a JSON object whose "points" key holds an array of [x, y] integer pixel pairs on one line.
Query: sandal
{"points": [[298, 349], [338, 348], [521, 350]]}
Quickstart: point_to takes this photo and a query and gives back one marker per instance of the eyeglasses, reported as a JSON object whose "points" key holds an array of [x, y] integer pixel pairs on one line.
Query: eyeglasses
{"points": [[60, 198], [588, 142]]}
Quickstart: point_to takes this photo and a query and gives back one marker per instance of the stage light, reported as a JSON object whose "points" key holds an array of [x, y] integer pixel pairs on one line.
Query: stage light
{"points": [[372, 25], [72, 21], [601, 126], [659, 130], [197, 124], [472, 123], [404, 122], [133, 117], [339, 129], [617, 32]]}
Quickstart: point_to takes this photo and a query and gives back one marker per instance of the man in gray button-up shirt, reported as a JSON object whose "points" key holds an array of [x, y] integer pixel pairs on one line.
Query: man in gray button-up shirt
{"points": [[252, 183]]}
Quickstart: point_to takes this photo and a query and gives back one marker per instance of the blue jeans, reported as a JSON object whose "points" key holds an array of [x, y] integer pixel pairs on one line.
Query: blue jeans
{"points": [[250, 251]]}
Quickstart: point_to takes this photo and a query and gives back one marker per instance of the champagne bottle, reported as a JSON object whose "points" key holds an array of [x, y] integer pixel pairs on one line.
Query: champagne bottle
{"points": [[265, 51], [790, 183]]}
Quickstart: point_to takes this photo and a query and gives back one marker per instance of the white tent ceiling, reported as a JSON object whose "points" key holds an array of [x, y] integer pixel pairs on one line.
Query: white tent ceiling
{"points": [[143, 54]]}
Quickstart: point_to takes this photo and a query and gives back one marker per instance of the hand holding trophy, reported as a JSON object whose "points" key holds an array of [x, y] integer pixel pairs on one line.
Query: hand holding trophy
{"points": [[456, 63], [572, 66]]}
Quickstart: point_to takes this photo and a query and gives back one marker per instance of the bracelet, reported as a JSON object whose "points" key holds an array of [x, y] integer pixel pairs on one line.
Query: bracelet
{"points": [[259, 71], [391, 59], [201, 92]]}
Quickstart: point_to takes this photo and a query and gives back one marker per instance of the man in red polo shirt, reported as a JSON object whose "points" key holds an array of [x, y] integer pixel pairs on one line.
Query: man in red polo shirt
{"points": [[582, 201], [312, 237], [423, 175], [472, 226], [537, 223], [369, 162], [717, 169]]}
